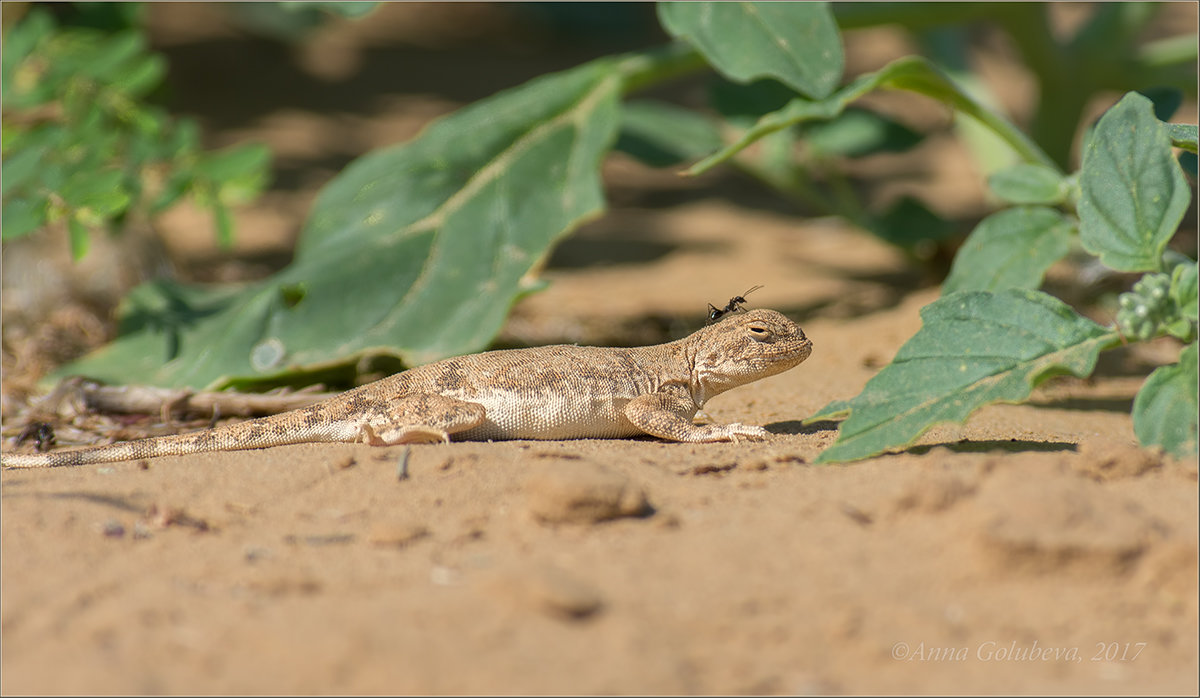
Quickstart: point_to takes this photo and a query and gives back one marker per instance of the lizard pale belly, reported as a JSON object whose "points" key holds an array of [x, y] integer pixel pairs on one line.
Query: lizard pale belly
{"points": [[565, 392], [570, 416]]}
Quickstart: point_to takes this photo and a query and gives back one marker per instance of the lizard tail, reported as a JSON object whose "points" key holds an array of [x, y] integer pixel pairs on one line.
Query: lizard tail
{"points": [[256, 433]]}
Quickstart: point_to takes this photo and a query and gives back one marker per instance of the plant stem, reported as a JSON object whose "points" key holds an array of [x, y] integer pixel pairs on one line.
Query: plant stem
{"points": [[653, 66]]}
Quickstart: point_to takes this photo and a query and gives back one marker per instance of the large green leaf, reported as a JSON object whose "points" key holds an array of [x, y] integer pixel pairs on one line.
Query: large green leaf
{"points": [[1010, 249], [1165, 409], [974, 348], [796, 43], [661, 134], [911, 73], [415, 251], [1132, 193]]}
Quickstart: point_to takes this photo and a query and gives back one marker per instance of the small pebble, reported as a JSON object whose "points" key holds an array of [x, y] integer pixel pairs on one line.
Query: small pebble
{"points": [[576, 491], [396, 533], [548, 589], [112, 528]]}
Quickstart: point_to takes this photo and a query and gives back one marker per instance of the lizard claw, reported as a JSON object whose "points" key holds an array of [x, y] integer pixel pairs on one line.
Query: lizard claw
{"points": [[743, 432]]}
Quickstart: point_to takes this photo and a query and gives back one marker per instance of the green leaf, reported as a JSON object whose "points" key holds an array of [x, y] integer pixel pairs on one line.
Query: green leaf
{"points": [[742, 105], [858, 132], [92, 188], [1165, 409], [911, 73], [176, 186], [1027, 183], [909, 223], [1184, 290], [19, 43], [100, 59], [350, 10], [80, 238], [415, 251], [660, 134], [1166, 100], [20, 168], [234, 163], [223, 221], [23, 216], [974, 348], [1183, 136], [1132, 194], [795, 43], [838, 409], [1010, 249], [141, 75]]}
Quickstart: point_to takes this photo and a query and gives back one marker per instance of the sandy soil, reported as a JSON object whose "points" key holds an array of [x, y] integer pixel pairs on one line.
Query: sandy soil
{"points": [[1034, 549]]}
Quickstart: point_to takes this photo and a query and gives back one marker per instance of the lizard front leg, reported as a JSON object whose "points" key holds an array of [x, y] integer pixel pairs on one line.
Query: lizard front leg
{"points": [[669, 416], [420, 418]]}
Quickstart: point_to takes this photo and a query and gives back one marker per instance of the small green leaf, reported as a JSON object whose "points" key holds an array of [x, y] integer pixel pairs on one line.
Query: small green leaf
{"points": [[95, 189], [1184, 290], [223, 221], [661, 134], [20, 168], [19, 43], [23, 216], [349, 10], [974, 348], [141, 75], [80, 238], [796, 43], [100, 59], [1165, 409], [1183, 136], [1026, 183], [1132, 194], [182, 140], [234, 163], [176, 186], [1010, 249]]}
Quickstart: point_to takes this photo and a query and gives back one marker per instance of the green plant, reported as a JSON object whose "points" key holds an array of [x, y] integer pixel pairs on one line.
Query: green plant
{"points": [[1105, 53], [991, 338], [435, 238], [83, 148]]}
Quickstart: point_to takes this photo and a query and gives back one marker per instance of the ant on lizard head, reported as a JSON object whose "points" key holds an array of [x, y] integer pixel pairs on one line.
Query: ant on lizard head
{"points": [[735, 304]]}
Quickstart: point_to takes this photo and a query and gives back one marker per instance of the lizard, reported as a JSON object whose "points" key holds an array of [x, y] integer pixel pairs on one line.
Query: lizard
{"points": [[562, 391]]}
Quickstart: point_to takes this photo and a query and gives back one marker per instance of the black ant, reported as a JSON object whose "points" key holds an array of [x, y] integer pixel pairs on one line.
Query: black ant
{"points": [[735, 304]]}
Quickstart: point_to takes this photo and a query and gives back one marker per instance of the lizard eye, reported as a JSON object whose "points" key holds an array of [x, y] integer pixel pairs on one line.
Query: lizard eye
{"points": [[759, 332]]}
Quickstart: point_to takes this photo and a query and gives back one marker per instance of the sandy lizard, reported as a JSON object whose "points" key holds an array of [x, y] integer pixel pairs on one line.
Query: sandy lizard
{"points": [[551, 392]]}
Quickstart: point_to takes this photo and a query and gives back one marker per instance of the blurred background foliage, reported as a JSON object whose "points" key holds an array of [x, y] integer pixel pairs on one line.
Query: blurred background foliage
{"points": [[89, 146]]}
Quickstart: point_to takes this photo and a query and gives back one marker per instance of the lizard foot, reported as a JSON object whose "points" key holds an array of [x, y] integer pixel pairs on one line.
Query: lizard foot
{"points": [[411, 434], [738, 432]]}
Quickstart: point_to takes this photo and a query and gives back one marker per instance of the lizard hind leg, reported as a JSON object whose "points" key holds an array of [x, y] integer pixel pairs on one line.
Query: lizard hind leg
{"points": [[421, 418]]}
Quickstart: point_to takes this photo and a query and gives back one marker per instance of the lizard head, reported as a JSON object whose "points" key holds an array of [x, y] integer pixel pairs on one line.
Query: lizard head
{"points": [[745, 347]]}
